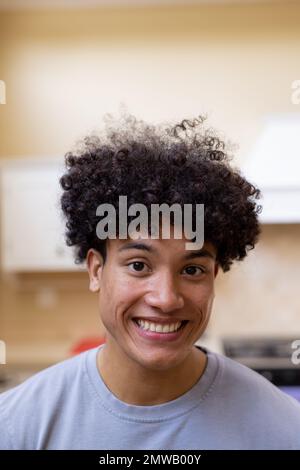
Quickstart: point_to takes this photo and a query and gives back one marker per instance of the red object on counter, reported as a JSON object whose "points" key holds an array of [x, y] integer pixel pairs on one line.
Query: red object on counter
{"points": [[86, 343]]}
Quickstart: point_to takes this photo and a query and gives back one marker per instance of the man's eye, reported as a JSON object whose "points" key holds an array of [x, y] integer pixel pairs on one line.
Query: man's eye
{"points": [[137, 266], [193, 270]]}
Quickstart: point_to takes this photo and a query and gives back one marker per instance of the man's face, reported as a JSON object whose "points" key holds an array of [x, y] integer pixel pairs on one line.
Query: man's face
{"points": [[160, 282]]}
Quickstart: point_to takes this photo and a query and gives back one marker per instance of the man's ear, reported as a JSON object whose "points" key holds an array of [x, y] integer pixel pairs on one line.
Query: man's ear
{"points": [[94, 261]]}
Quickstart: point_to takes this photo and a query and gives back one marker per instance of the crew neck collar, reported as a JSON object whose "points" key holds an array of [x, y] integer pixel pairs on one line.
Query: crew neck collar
{"points": [[151, 413]]}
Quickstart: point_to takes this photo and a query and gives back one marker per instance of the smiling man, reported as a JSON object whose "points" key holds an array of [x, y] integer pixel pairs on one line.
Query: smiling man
{"points": [[156, 299], [149, 386]]}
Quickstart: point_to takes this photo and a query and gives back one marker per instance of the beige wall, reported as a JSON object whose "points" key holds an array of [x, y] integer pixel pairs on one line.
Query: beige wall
{"points": [[64, 70], [259, 296]]}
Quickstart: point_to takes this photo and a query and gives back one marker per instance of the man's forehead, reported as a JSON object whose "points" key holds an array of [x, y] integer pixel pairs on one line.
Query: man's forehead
{"points": [[157, 246]]}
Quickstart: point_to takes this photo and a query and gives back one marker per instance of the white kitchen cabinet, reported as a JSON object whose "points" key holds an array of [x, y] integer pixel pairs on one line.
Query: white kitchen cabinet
{"points": [[32, 227], [274, 167]]}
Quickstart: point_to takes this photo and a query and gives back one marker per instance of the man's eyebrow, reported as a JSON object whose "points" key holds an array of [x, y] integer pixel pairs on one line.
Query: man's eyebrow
{"points": [[203, 253], [138, 246]]}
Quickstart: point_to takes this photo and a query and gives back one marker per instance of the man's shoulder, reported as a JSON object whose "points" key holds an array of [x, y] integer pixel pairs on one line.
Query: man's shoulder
{"points": [[41, 396], [248, 391], [240, 378], [51, 377]]}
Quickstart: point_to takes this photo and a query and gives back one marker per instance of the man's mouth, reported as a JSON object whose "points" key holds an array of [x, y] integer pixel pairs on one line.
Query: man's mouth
{"points": [[162, 328]]}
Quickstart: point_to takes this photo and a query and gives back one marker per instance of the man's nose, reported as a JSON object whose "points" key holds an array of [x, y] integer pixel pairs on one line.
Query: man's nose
{"points": [[164, 293]]}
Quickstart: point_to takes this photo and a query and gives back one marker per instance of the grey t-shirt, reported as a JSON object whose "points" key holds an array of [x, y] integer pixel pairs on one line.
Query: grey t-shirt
{"points": [[68, 406]]}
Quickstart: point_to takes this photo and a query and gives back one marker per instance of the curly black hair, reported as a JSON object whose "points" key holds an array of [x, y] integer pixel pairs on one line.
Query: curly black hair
{"points": [[185, 163]]}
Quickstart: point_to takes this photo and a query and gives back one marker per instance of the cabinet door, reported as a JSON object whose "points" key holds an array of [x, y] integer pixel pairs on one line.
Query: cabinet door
{"points": [[32, 223]]}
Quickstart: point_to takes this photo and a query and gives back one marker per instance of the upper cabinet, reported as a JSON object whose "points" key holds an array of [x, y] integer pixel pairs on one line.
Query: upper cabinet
{"points": [[274, 166], [32, 226]]}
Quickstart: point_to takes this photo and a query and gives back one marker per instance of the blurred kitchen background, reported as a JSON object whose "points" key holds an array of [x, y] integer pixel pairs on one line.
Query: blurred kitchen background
{"points": [[63, 65]]}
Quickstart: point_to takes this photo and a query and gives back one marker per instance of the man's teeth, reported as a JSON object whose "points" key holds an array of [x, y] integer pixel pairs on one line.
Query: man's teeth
{"points": [[146, 325]]}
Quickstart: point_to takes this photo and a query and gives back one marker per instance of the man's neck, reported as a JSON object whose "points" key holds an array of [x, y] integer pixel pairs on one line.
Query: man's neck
{"points": [[148, 387]]}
